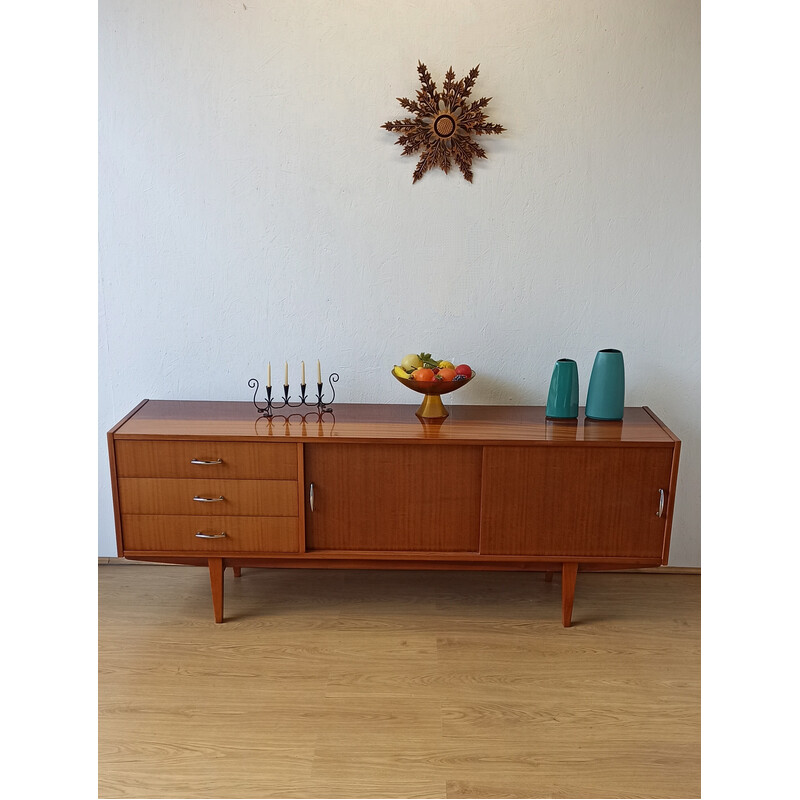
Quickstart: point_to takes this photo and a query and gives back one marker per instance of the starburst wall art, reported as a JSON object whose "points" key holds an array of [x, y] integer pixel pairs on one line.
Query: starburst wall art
{"points": [[443, 124]]}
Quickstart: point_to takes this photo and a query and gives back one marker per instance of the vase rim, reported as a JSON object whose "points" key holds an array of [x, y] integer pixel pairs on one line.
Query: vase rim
{"points": [[610, 350], [566, 360]]}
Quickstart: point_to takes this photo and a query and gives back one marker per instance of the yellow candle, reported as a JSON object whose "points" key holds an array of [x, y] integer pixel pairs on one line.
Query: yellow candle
{"points": [[303, 369], [319, 374], [269, 375], [285, 373]]}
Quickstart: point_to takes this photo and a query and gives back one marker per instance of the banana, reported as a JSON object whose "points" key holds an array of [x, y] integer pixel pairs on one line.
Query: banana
{"points": [[401, 373]]}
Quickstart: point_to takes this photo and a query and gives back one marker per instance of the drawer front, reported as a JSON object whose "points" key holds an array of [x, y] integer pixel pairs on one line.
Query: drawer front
{"points": [[145, 459], [176, 496], [179, 532]]}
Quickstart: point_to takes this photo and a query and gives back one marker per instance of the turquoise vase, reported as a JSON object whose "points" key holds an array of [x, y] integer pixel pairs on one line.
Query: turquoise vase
{"points": [[562, 399], [605, 399]]}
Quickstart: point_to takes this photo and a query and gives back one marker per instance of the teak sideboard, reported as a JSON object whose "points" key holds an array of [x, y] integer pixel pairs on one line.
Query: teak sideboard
{"points": [[371, 486]]}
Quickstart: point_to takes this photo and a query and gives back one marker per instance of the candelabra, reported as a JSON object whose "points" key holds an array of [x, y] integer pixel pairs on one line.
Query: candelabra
{"points": [[321, 404]]}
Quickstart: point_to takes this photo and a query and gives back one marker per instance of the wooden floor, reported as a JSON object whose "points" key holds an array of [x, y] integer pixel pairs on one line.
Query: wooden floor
{"points": [[349, 684]]}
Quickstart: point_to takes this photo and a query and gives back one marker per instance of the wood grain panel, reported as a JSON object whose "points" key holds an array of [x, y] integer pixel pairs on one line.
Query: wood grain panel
{"points": [[176, 532], [143, 459], [386, 423], [175, 496], [574, 502], [301, 512], [403, 497]]}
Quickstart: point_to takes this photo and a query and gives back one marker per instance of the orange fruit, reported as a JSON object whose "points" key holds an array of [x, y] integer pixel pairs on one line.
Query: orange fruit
{"points": [[447, 374], [423, 374]]}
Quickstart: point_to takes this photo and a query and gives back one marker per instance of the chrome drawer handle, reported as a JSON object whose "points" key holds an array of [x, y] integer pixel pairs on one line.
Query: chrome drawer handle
{"points": [[208, 499], [311, 496], [198, 461], [660, 503], [201, 535]]}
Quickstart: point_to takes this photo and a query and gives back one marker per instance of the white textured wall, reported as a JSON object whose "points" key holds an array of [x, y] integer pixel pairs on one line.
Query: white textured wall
{"points": [[252, 208]]}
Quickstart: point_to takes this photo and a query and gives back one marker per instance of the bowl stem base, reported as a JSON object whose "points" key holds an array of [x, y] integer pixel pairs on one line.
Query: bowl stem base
{"points": [[432, 407]]}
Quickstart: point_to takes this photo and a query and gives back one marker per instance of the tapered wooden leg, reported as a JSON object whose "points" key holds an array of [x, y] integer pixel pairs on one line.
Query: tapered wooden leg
{"points": [[569, 571], [548, 576], [216, 571], [237, 572]]}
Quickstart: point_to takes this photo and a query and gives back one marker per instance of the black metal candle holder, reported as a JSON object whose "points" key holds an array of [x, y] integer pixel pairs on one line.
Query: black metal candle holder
{"points": [[321, 404]]}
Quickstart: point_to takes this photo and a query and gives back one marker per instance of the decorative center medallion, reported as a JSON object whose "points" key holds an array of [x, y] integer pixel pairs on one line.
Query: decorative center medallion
{"points": [[444, 126]]}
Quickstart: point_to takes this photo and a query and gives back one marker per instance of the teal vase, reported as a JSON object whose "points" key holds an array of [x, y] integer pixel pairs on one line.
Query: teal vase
{"points": [[605, 399], [562, 399]]}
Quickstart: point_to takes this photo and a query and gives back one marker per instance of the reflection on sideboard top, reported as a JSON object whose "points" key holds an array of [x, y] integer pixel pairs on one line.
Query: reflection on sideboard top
{"points": [[192, 419]]}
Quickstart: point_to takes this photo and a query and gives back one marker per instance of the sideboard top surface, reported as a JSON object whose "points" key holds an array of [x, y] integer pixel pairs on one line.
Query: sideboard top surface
{"points": [[205, 419]]}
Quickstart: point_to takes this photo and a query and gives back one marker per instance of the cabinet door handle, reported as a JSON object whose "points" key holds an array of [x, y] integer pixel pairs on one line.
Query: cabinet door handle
{"points": [[660, 503], [208, 499], [201, 535], [200, 461], [311, 496]]}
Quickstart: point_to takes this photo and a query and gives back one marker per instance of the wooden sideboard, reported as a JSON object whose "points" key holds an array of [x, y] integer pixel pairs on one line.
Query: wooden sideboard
{"points": [[371, 486]]}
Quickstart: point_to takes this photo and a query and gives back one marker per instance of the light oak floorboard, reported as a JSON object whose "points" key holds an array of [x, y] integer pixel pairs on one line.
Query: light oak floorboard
{"points": [[340, 683]]}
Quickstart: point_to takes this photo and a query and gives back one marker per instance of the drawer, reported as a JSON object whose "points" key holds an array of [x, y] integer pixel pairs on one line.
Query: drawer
{"points": [[176, 496], [173, 459], [179, 532]]}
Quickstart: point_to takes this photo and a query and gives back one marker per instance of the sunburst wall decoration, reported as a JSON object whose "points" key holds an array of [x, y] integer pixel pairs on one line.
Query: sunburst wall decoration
{"points": [[444, 124]]}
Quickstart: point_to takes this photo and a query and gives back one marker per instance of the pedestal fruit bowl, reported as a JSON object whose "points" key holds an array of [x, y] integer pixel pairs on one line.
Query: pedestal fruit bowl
{"points": [[432, 378]]}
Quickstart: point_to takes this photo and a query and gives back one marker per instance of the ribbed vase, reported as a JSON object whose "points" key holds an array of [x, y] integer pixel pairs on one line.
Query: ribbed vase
{"points": [[605, 398], [562, 399]]}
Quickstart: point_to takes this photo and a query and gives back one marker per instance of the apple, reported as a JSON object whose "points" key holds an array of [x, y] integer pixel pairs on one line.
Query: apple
{"points": [[465, 370], [411, 362]]}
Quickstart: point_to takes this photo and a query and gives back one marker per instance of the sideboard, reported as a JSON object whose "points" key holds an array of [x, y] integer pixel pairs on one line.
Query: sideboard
{"points": [[372, 486]]}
